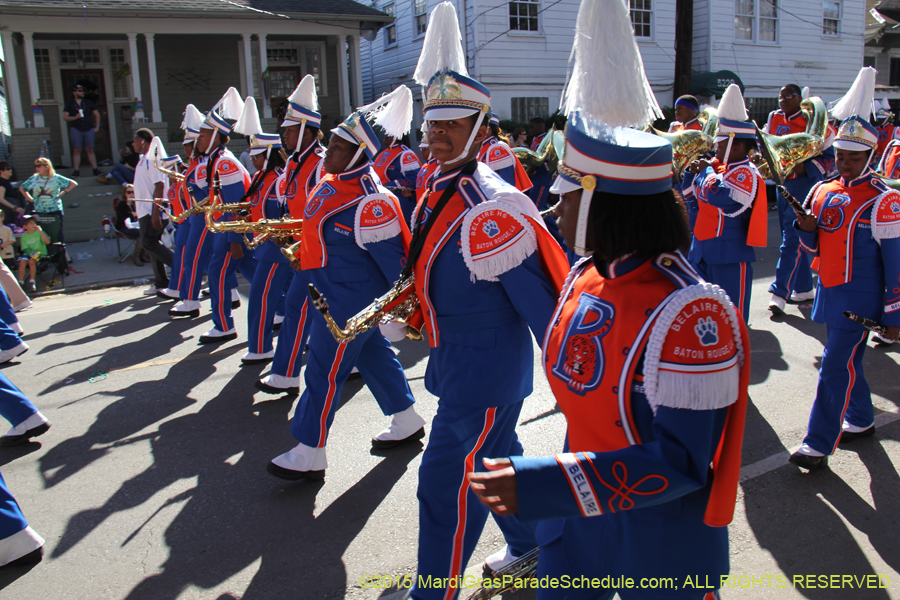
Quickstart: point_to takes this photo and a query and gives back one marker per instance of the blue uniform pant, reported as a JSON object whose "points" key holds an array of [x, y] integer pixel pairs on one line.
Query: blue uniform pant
{"points": [[552, 562], [327, 368], [15, 406], [735, 278], [842, 393], [294, 332], [222, 279], [12, 521], [7, 314], [182, 233], [451, 517], [9, 339], [266, 291], [792, 273], [195, 259]]}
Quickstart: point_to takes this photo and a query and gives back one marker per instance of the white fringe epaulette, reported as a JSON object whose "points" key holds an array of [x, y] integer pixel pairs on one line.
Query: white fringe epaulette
{"points": [[739, 195], [383, 231], [888, 204], [508, 253], [692, 391]]}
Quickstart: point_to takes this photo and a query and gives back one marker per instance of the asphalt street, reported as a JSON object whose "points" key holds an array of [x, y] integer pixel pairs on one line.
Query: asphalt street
{"points": [[152, 483]]}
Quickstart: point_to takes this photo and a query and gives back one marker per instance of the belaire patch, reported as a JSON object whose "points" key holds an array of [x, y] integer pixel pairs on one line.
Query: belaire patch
{"points": [[409, 158], [700, 339], [741, 178], [377, 212], [889, 209], [491, 231], [323, 192]]}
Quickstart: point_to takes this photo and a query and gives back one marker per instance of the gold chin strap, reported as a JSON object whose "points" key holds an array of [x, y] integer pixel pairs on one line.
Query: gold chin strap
{"points": [[588, 185]]}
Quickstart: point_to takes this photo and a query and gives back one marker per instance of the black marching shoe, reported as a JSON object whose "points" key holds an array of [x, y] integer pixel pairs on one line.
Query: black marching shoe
{"points": [[32, 558], [811, 463], [850, 436], [271, 389], [17, 440], [386, 444], [290, 475]]}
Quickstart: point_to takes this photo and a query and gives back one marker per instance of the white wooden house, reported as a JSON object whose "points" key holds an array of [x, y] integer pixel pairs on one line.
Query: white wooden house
{"points": [[520, 48], [142, 61]]}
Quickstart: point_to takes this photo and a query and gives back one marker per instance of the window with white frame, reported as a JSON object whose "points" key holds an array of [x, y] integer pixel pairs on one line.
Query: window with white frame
{"points": [[831, 18], [44, 73], [390, 31], [642, 18], [420, 17], [756, 20], [120, 72], [523, 15], [525, 109], [79, 56]]}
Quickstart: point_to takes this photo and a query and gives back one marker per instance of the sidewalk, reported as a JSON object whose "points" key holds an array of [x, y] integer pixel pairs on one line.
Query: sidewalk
{"points": [[96, 265]]}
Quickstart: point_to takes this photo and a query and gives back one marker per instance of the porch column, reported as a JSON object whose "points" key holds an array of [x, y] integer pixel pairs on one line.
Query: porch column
{"points": [[248, 66], [135, 73], [343, 83], [355, 70], [31, 68], [263, 65], [154, 84], [11, 77]]}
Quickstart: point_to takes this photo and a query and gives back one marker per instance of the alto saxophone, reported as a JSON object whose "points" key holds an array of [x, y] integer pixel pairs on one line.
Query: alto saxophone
{"points": [[399, 304]]}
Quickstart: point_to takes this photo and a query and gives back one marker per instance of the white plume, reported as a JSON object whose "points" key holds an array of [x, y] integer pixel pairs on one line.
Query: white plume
{"points": [[392, 112], [885, 104], [248, 123], [608, 83], [804, 93], [305, 94], [732, 104], [876, 107], [193, 118], [230, 105], [156, 151], [442, 49], [858, 99]]}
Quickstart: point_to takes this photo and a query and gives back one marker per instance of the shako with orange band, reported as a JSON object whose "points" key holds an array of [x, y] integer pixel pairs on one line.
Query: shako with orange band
{"points": [[486, 274], [855, 235], [352, 249], [649, 363], [301, 175]]}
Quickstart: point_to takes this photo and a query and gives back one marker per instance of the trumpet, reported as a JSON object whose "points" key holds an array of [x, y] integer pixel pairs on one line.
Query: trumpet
{"points": [[173, 174], [400, 304], [290, 252]]}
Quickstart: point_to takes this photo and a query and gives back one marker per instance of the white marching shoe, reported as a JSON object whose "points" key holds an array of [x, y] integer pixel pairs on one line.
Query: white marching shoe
{"points": [[300, 462], [214, 336], [185, 308], [8, 355], [803, 296], [253, 358], [406, 426], [278, 384], [776, 305]]}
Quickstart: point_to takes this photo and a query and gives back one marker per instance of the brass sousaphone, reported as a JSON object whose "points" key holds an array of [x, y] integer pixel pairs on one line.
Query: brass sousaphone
{"points": [[689, 144], [779, 155]]}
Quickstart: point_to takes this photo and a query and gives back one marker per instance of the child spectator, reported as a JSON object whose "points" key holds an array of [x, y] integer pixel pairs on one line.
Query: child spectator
{"points": [[34, 246], [7, 239]]}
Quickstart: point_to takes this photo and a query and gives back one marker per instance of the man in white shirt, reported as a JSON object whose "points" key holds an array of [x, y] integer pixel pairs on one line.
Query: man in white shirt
{"points": [[150, 182]]}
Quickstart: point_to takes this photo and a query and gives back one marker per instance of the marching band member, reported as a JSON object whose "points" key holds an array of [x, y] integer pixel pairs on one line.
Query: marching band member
{"points": [[793, 278], [397, 166], [302, 173], [497, 155], [429, 166], [887, 131], [686, 110], [731, 205], [175, 197], [853, 227], [353, 246], [649, 363], [197, 240], [228, 251], [273, 269], [478, 260]]}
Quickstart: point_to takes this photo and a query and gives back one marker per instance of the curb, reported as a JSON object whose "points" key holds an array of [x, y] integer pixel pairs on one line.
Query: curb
{"points": [[86, 287]]}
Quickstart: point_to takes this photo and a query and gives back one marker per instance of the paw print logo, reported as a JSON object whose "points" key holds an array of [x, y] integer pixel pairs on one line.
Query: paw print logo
{"points": [[378, 211], [707, 331], [895, 207], [741, 177], [491, 228]]}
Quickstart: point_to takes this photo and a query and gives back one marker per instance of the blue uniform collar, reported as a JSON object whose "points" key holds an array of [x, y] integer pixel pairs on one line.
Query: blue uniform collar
{"points": [[865, 177], [619, 266], [441, 180], [355, 173], [302, 155]]}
